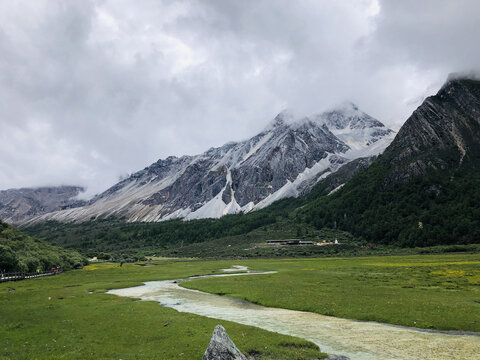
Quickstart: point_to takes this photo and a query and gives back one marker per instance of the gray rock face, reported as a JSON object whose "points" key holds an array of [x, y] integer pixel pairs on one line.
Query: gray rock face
{"points": [[286, 159], [441, 135], [291, 151], [338, 178], [17, 205], [221, 347]]}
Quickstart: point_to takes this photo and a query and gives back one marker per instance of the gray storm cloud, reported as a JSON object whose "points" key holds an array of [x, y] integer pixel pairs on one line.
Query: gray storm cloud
{"points": [[91, 90]]}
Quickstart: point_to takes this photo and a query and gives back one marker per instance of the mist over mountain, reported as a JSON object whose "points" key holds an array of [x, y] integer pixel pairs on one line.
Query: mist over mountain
{"points": [[17, 205], [286, 159]]}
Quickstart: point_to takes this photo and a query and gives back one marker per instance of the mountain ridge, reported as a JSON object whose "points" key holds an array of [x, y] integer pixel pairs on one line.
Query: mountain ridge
{"points": [[286, 159]]}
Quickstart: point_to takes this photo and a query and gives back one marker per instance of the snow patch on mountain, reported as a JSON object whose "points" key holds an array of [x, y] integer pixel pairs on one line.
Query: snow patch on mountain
{"points": [[257, 146], [292, 189], [286, 159]]}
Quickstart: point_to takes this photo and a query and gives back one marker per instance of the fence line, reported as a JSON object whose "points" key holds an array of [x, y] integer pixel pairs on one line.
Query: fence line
{"points": [[16, 276]]}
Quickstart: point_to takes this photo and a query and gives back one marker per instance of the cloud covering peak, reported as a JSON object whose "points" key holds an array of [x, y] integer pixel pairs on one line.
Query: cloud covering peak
{"points": [[91, 90]]}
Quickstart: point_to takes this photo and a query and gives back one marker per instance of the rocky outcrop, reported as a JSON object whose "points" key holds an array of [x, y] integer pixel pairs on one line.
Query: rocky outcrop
{"points": [[442, 135], [221, 347]]}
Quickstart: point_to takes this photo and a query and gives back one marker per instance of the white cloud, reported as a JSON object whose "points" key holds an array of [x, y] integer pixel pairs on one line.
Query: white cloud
{"points": [[93, 89]]}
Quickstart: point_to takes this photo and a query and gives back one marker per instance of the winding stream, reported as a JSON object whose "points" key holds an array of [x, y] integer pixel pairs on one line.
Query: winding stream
{"points": [[355, 339]]}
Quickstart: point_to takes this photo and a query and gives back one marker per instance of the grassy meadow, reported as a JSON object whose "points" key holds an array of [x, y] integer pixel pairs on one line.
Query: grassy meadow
{"points": [[428, 291], [69, 317]]}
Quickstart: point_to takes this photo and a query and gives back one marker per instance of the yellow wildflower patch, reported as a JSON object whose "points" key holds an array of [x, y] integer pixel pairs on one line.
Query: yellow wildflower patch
{"points": [[449, 272], [411, 264]]}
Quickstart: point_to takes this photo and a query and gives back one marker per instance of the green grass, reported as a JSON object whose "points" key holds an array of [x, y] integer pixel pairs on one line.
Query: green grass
{"points": [[58, 317], [69, 317], [427, 291]]}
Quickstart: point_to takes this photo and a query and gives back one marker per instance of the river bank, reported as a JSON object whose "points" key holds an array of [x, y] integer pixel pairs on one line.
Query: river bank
{"points": [[355, 339]]}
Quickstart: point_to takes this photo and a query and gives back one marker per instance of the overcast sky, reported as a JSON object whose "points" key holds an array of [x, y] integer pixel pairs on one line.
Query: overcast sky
{"points": [[93, 90]]}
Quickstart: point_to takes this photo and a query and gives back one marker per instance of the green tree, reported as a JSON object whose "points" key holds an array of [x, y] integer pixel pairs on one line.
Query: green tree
{"points": [[8, 259]]}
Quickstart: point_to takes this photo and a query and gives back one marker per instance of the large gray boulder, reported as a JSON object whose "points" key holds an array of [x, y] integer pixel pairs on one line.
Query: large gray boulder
{"points": [[221, 347]]}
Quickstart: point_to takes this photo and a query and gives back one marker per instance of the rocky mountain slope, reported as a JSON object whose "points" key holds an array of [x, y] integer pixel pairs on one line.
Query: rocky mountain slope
{"points": [[443, 134], [17, 205], [286, 159], [425, 188]]}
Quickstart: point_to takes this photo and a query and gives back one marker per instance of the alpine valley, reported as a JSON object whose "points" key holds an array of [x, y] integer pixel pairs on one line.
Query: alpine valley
{"points": [[336, 175], [327, 230], [339, 174]]}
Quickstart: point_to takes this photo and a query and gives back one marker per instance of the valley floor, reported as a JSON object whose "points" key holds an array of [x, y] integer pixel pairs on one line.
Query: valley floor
{"points": [[439, 292], [70, 316]]}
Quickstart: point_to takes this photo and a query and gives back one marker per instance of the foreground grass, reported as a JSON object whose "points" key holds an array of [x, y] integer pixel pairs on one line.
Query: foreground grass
{"points": [[69, 317], [427, 291]]}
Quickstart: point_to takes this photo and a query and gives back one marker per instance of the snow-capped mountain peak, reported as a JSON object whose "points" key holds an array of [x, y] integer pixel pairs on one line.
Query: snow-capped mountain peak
{"points": [[286, 159], [285, 117], [347, 115]]}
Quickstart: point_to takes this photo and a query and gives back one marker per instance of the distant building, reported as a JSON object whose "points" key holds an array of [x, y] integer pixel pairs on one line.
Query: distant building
{"points": [[289, 242], [294, 242]]}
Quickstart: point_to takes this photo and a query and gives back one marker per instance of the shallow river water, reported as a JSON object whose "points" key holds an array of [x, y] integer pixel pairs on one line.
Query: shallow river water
{"points": [[355, 339]]}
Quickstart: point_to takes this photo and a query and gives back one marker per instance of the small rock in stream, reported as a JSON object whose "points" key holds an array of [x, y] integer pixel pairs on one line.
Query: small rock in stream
{"points": [[221, 347]]}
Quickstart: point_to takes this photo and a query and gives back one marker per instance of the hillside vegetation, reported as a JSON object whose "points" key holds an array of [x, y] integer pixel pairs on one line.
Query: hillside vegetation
{"points": [[425, 212], [20, 252], [115, 236]]}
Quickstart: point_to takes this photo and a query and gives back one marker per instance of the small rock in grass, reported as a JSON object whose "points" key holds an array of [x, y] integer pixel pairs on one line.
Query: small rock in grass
{"points": [[221, 347]]}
